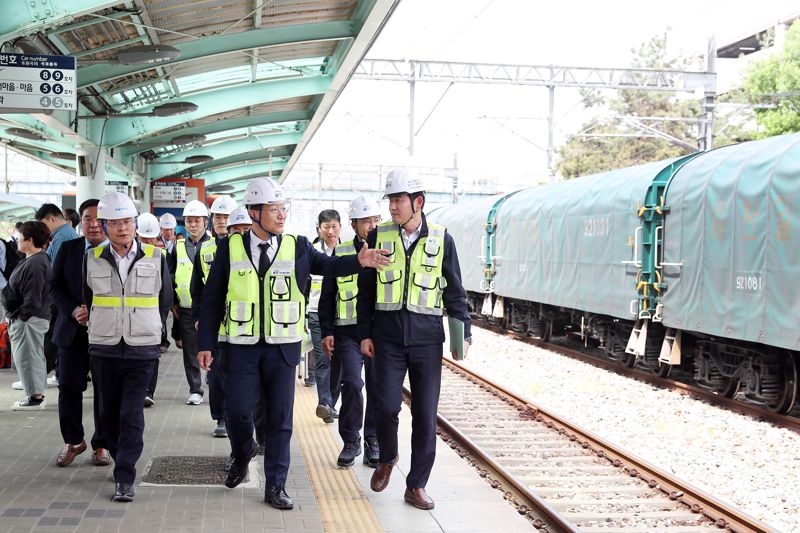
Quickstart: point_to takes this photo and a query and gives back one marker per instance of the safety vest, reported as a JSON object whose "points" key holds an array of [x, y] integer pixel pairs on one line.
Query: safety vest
{"points": [[126, 312], [208, 251], [282, 304], [315, 291], [346, 290], [183, 275], [420, 289]]}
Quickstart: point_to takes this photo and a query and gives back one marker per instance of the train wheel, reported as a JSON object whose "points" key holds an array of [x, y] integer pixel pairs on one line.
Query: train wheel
{"points": [[788, 394], [661, 370], [727, 387]]}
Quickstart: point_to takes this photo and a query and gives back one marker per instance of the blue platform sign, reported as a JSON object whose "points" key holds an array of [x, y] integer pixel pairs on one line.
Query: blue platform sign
{"points": [[33, 83]]}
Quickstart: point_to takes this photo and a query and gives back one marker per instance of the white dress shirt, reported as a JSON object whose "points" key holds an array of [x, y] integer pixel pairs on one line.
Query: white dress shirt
{"points": [[410, 238], [255, 251], [124, 262]]}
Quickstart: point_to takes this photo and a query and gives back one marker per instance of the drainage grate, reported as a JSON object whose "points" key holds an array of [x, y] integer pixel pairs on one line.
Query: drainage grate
{"points": [[187, 470]]}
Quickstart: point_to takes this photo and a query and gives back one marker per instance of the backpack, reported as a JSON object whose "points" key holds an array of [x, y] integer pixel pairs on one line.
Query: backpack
{"points": [[5, 346], [12, 258]]}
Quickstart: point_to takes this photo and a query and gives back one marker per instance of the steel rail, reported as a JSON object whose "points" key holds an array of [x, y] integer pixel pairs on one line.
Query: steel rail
{"points": [[723, 515]]}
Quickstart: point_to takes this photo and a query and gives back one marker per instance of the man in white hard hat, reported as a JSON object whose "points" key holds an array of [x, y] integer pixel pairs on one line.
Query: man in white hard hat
{"points": [[148, 230], [128, 294], [181, 266], [341, 342], [221, 209], [256, 285], [239, 221], [400, 320], [168, 224]]}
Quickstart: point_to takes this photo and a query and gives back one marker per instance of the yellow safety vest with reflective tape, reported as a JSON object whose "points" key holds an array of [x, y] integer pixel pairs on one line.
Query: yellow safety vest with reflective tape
{"points": [[283, 303], [126, 312], [208, 251], [346, 290], [415, 283], [183, 275], [315, 291]]}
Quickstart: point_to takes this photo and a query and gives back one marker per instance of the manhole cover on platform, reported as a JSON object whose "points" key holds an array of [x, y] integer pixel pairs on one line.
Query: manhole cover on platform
{"points": [[187, 470]]}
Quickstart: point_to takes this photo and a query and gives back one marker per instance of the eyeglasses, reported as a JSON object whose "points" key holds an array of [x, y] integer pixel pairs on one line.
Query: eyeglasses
{"points": [[275, 210], [123, 223]]}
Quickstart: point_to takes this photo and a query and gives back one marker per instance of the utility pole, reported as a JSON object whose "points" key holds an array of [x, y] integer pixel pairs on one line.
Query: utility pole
{"points": [[708, 102]]}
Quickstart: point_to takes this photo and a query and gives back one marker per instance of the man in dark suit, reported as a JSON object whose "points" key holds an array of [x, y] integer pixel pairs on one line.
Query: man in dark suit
{"points": [[70, 335], [257, 284]]}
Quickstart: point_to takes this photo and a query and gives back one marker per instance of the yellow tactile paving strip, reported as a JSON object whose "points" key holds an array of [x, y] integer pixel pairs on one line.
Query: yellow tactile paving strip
{"points": [[342, 503]]}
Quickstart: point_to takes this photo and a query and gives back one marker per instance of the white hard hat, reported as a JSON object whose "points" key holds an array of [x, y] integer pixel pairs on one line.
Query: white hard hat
{"points": [[147, 226], [403, 180], [168, 221], [239, 216], [115, 205], [223, 205], [363, 207], [263, 191], [195, 208]]}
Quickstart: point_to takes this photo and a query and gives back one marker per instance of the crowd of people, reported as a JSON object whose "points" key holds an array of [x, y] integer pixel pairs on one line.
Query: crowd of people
{"points": [[243, 295]]}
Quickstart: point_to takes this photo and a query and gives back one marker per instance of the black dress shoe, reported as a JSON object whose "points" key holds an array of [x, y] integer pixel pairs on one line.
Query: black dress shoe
{"points": [[276, 496], [238, 469], [123, 493]]}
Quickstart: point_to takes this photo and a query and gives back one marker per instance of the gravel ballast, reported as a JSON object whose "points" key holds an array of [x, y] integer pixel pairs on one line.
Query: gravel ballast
{"points": [[753, 465]]}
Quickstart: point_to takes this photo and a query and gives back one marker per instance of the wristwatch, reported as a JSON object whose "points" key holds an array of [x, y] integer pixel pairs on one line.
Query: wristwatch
{"points": [[468, 339]]}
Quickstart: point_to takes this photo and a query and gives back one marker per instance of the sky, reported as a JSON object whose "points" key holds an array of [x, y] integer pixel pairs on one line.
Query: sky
{"points": [[501, 131]]}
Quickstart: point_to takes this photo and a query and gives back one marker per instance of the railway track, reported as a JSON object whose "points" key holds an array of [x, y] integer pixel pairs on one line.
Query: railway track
{"points": [[790, 421], [563, 478]]}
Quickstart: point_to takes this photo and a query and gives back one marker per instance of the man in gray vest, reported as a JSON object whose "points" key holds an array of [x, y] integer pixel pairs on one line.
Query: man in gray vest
{"points": [[128, 293]]}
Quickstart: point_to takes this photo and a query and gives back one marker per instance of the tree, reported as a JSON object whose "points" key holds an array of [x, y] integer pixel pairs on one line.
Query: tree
{"points": [[620, 137], [776, 81]]}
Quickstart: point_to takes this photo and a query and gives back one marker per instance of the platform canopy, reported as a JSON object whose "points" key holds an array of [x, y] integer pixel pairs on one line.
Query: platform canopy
{"points": [[262, 74]]}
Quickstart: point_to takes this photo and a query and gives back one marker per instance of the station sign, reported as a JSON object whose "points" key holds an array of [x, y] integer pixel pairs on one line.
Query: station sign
{"points": [[118, 186], [169, 192], [34, 83]]}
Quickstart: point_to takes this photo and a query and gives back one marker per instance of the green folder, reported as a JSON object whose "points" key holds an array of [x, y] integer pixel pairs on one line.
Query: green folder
{"points": [[456, 331]]}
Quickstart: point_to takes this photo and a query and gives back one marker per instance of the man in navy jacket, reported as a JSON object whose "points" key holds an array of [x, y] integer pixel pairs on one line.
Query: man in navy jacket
{"points": [[71, 337], [251, 363]]}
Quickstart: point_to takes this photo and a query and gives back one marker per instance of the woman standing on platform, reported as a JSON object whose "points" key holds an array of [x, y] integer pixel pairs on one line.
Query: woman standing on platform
{"points": [[27, 299]]}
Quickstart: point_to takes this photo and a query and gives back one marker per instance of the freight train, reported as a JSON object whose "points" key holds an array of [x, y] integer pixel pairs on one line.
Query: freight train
{"points": [[690, 262]]}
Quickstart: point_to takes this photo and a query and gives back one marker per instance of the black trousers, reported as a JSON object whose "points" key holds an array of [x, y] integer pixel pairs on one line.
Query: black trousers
{"points": [[249, 370], [346, 366], [73, 368], [123, 383], [424, 367], [189, 340], [51, 350], [151, 385], [215, 379]]}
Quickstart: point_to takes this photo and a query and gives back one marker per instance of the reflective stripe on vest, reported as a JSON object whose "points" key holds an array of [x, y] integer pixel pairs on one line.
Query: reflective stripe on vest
{"points": [[418, 287], [283, 303], [347, 290], [183, 275], [315, 291], [207, 251], [126, 312]]}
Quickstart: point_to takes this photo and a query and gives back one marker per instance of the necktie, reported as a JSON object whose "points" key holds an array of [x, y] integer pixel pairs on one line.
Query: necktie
{"points": [[263, 260]]}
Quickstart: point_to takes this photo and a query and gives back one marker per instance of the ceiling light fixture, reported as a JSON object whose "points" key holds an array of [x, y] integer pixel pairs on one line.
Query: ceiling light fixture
{"points": [[148, 54], [24, 134], [169, 109]]}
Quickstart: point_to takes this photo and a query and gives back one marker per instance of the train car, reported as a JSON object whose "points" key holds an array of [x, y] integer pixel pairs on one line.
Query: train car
{"points": [[685, 262]]}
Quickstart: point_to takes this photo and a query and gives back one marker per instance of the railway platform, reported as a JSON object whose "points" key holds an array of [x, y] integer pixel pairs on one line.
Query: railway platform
{"points": [[36, 495]]}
